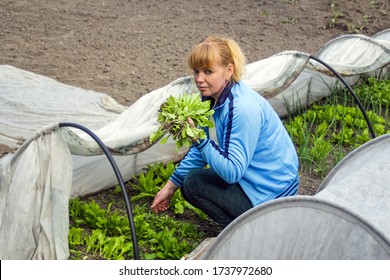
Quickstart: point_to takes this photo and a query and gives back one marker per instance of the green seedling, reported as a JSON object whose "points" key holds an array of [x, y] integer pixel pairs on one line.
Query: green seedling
{"points": [[173, 116]]}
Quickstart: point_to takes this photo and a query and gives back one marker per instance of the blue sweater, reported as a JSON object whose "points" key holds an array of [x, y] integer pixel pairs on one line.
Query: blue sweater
{"points": [[252, 147]]}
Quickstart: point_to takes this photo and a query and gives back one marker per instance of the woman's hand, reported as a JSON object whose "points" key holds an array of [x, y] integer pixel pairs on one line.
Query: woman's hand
{"points": [[163, 197], [192, 124]]}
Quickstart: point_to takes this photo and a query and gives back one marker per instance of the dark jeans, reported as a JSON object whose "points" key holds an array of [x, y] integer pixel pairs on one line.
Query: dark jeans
{"points": [[221, 201]]}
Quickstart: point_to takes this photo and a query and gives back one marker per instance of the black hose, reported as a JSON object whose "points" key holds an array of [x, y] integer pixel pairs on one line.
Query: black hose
{"points": [[350, 90], [120, 180]]}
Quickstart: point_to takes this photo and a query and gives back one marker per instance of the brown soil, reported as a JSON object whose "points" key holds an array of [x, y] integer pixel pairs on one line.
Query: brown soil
{"points": [[129, 48]]}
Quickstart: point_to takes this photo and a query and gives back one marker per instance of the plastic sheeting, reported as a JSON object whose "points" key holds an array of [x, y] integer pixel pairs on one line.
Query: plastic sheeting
{"points": [[35, 188], [347, 219], [31, 112]]}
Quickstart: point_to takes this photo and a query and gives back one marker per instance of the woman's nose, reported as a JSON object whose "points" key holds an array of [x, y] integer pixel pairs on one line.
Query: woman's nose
{"points": [[199, 77]]}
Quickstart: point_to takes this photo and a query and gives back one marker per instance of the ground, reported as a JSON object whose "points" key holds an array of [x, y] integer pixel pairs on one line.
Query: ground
{"points": [[129, 48]]}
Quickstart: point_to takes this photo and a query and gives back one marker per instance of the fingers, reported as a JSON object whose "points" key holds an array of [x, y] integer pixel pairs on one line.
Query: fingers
{"points": [[159, 205], [162, 208], [163, 197], [155, 202], [190, 122]]}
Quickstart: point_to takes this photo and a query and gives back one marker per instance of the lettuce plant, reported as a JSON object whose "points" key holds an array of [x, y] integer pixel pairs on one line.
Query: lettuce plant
{"points": [[173, 115]]}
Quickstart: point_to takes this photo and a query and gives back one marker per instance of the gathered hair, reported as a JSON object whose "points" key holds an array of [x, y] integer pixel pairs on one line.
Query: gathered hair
{"points": [[219, 50]]}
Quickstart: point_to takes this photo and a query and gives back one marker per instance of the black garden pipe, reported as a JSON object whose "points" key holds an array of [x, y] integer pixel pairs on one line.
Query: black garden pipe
{"points": [[350, 90], [120, 181]]}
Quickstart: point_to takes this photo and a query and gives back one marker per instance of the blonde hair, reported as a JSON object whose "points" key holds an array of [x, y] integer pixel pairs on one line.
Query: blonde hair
{"points": [[218, 50]]}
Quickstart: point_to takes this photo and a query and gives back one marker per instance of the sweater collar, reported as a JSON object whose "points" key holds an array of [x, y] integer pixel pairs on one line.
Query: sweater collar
{"points": [[225, 93]]}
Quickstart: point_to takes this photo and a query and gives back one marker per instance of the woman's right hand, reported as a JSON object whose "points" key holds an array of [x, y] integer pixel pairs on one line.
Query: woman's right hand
{"points": [[163, 197]]}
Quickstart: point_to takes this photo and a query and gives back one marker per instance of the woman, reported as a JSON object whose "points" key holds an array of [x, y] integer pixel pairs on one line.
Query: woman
{"points": [[251, 156]]}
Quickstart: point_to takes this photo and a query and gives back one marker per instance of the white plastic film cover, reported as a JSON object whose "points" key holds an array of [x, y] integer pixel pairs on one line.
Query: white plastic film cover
{"points": [[347, 219]]}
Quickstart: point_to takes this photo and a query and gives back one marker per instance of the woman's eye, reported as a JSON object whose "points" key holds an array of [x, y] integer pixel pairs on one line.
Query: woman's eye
{"points": [[207, 71], [196, 71]]}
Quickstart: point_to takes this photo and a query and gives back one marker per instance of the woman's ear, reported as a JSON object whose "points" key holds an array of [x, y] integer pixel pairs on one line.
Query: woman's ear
{"points": [[229, 71]]}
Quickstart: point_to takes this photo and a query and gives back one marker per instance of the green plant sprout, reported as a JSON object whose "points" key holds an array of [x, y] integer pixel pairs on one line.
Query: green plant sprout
{"points": [[335, 17], [173, 115]]}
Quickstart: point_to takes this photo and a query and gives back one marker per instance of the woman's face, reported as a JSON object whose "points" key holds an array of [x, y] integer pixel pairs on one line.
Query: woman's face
{"points": [[211, 81]]}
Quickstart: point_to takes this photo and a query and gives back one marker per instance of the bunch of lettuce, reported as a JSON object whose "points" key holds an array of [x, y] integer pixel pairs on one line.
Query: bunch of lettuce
{"points": [[173, 115]]}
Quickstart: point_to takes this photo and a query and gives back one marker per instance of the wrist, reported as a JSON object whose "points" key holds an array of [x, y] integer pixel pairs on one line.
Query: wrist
{"points": [[171, 186]]}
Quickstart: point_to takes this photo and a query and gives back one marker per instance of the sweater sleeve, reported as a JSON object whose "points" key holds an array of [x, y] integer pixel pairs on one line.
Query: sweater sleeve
{"points": [[192, 160], [240, 130]]}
